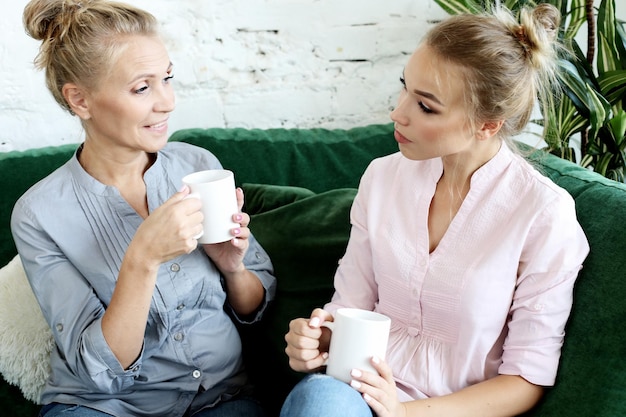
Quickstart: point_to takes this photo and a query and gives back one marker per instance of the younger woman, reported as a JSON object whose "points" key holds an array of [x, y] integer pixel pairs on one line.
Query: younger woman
{"points": [[470, 251]]}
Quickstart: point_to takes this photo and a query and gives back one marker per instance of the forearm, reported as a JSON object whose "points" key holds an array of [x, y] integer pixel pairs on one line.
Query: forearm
{"points": [[124, 321], [245, 291], [502, 396]]}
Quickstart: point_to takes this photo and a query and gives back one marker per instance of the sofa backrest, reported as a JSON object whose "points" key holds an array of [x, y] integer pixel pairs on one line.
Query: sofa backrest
{"points": [[317, 159], [18, 172]]}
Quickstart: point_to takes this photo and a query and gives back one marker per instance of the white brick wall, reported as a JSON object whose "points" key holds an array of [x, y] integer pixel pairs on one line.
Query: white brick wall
{"points": [[241, 63]]}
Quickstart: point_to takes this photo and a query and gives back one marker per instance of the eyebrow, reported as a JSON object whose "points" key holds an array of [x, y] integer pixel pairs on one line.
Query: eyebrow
{"points": [[429, 96], [141, 76], [426, 94]]}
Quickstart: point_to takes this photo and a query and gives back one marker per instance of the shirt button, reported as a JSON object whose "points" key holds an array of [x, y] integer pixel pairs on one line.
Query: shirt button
{"points": [[196, 374], [413, 331], [179, 337], [175, 268], [59, 327], [180, 307]]}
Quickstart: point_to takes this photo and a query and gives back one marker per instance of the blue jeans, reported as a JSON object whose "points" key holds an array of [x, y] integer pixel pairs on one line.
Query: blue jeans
{"points": [[241, 406], [319, 395]]}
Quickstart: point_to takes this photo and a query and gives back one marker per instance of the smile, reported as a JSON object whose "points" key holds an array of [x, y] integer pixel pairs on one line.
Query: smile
{"points": [[158, 126]]}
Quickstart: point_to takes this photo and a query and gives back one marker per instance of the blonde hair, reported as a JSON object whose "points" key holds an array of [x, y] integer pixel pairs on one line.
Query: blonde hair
{"points": [[505, 64], [81, 39]]}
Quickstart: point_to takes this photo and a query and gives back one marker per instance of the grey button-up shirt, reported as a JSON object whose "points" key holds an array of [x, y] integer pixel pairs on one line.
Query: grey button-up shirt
{"points": [[71, 232]]}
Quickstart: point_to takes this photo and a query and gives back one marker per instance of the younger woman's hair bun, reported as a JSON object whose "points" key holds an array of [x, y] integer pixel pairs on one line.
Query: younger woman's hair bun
{"points": [[538, 32]]}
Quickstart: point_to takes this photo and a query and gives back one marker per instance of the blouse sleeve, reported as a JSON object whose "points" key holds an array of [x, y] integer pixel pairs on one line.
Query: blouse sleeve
{"points": [[70, 306], [552, 256]]}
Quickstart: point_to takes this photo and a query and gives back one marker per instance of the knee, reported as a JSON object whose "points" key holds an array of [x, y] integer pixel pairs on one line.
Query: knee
{"points": [[322, 395]]}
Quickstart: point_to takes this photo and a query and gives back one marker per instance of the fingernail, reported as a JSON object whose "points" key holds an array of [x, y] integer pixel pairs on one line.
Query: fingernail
{"points": [[238, 217], [356, 373], [355, 384], [376, 360], [237, 231], [314, 322]]}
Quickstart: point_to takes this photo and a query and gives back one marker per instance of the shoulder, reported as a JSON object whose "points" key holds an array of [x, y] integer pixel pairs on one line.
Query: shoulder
{"points": [[185, 154], [54, 186], [53, 191], [187, 150], [400, 171], [538, 186]]}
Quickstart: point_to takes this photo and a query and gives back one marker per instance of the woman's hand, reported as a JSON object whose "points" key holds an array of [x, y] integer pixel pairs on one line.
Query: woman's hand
{"points": [[379, 391], [307, 342], [228, 256], [169, 230]]}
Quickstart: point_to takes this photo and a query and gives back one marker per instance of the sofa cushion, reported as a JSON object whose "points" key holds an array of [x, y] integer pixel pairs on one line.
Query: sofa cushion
{"points": [[25, 338], [305, 235], [260, 198]]}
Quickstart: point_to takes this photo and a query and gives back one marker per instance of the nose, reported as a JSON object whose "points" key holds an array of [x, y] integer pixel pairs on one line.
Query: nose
{"points": [[166, 100], [399, 114]]}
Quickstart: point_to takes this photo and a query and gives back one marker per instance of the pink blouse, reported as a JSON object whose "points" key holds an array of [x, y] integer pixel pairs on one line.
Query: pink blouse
{"points": [[493, 297]]}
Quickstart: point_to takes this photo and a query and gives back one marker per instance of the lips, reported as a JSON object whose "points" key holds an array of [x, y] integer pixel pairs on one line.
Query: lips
{"points": [[399, 137], [158, 126]]}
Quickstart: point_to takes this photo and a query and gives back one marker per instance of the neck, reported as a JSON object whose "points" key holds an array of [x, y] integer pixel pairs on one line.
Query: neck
{"points": [[459, 168], [113, 168]]}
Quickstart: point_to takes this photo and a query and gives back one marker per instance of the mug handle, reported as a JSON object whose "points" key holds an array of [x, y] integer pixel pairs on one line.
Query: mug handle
{"points": [[329, 325]]}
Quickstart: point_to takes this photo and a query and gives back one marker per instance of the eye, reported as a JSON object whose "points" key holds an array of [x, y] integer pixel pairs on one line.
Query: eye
{"points": [[168, 78], [425, 108], [141, 90], [403, 82]]}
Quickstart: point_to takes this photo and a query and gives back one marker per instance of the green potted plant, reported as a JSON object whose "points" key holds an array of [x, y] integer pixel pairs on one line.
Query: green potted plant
{"points": [[594, 87]]}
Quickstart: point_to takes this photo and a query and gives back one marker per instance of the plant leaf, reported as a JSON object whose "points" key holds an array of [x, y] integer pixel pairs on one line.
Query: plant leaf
{"points": [[613, 86], [454, 7], [608, 54]]}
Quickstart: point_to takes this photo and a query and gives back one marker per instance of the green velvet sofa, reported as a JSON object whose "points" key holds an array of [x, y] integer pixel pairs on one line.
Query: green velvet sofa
{"points": [[299, 186]]}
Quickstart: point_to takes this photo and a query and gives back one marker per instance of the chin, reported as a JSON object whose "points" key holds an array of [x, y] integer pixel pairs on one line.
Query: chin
{"points": [[408, 153], [155, 144]]}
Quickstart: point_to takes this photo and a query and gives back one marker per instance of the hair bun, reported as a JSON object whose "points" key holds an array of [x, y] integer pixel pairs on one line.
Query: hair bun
{"points": [[50, 19], [549, 17]]}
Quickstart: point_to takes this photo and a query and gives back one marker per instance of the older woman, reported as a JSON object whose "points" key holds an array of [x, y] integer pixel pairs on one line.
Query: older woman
{"points": [[142, 315]]}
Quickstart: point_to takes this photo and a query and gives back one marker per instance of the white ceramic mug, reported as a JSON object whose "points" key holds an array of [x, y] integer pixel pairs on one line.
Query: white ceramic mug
{"points": [[216, 190], [357, 336]]}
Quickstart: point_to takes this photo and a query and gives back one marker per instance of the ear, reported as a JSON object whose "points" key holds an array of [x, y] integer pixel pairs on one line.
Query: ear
{"points": [[77, 100], [489, 129]]}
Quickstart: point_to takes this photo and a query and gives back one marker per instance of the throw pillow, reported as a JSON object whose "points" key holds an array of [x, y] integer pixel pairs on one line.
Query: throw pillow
{"points": [[25, 338], [305, 235]]}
